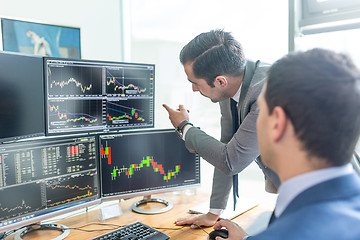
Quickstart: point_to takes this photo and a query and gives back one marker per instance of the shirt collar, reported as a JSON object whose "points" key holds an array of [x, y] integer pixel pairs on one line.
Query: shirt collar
{"points": [[291, 188], [236, 97]]}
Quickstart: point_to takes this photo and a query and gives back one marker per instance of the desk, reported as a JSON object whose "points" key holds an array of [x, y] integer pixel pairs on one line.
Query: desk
{"points": [[166, 220]]}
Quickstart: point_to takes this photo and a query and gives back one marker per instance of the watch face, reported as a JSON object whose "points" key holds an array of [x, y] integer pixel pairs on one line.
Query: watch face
{"points": [[179, 133]]}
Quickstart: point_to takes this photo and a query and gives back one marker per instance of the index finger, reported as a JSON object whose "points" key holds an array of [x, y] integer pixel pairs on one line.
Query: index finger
{"points": [[169, 109]]}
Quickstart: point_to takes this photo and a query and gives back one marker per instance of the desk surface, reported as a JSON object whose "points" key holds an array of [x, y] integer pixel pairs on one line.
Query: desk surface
{"points": [[164, 220]]}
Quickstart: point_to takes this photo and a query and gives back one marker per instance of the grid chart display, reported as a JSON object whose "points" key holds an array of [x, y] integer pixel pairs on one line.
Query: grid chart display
{"points": [[38, 177], [140, 163], [98, 96]]}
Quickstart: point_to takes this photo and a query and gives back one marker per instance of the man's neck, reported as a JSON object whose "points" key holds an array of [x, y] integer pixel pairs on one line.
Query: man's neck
{"points": [[234, 84], [301, 164]]}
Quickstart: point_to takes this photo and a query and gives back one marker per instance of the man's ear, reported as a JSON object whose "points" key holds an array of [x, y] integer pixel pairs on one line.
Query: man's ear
{"points": [[221, 81], [279, 123]]}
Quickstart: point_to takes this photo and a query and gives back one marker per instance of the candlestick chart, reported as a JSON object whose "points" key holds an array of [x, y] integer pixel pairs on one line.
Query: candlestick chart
{"points": [[74, 81], [19, 204], [128, 111], [98, 96], [42, 176], [129, 83], [133, 168], [144, 162], [74, 113], [70, 188]]}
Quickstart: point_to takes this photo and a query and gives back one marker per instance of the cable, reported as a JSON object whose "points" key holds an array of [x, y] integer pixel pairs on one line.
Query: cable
{"points": [[77, 212], [114, 227], [201, 228], [164, 228]]}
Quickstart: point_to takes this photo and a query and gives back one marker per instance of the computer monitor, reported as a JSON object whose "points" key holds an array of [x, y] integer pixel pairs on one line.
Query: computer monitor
{"points": [[40, 179], [145, 162], [87, 96], [22, 96]]}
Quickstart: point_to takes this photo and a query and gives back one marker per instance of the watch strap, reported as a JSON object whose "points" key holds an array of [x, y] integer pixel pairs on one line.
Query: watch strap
{"points": [[180, 127]]}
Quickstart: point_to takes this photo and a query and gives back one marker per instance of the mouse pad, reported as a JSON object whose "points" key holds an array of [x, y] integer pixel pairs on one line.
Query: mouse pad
{"points": [[242, 205]]}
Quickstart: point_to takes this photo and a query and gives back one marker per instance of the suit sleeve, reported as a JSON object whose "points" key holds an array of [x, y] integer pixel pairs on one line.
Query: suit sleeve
{"points": [[230, 158], [220, 190]]}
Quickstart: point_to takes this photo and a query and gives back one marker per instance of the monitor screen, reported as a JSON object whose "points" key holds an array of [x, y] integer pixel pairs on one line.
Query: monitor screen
{"points": [[22, 96], [84, 95], [142, 163], [43, 178]]}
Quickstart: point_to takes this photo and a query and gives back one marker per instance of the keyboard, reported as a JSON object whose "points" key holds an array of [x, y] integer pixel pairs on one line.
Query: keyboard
{"points": [[135, 231]]}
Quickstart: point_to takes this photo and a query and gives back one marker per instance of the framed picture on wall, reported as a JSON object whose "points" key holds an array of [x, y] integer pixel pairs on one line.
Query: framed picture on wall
{"points": [[40, 39]]}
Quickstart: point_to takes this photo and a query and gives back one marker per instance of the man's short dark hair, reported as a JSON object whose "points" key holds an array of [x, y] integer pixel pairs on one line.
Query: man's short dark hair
{"points": [[320, 92], [214, 53]]}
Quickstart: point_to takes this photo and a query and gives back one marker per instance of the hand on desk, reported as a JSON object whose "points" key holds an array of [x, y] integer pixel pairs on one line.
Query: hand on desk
{"points": [[206, 220], [235, 231]]}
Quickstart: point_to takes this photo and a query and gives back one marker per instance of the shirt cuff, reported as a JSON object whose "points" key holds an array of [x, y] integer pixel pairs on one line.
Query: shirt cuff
{"points": [[185, 129], [246, 237], [216, 211]]}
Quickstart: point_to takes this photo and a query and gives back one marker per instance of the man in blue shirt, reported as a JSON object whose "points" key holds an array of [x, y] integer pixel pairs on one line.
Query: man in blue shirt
{"points": [[308, 126]]}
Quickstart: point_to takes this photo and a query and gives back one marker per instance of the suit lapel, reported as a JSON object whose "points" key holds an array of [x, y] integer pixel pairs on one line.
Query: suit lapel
{"points": [[248, 76], [340, 187]]}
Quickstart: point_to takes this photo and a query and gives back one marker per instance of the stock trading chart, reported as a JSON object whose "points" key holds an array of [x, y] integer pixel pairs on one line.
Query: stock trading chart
{"points": [[147, 161], [36, 176], [98, 96]]}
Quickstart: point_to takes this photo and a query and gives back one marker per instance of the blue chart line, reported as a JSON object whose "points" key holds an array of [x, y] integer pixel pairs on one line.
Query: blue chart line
{"points": [[125, 115], [121, 86], [124, 107], [77, 116]]}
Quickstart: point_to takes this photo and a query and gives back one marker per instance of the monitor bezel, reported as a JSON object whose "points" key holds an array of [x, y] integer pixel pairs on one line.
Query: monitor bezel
{"points": [[51, 214], [89, 130], [148, 192]]}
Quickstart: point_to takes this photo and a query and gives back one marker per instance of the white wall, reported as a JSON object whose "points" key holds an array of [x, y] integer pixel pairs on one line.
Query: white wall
{"points": [[99, 22]]}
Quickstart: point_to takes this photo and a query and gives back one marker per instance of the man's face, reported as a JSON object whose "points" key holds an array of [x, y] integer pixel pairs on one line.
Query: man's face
{"points": [[215, 94], [263, 129]]}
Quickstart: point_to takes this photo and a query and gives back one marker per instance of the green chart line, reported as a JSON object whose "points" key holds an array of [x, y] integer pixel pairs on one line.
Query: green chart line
{"points": [[147, 162]]}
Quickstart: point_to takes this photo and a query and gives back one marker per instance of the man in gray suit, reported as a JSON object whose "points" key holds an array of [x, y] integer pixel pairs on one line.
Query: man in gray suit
{"points": [[214, 63]]}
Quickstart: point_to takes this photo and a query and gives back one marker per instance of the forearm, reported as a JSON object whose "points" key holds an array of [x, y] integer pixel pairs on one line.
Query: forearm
{"points": [[229, 158]]}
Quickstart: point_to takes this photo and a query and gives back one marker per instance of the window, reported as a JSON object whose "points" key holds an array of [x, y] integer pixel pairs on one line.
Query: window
{"points": [[159, 30]]}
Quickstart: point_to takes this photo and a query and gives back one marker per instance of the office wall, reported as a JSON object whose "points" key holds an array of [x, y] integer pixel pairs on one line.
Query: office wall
{"points": [[99, 22]]}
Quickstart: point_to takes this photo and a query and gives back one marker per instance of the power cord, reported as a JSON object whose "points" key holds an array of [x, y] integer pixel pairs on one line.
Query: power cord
{"points": [[114, 227]]}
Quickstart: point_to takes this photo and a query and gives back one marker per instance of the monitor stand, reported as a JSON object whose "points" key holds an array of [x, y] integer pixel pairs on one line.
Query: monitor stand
{"points": [[147, 199], [34, 227]]}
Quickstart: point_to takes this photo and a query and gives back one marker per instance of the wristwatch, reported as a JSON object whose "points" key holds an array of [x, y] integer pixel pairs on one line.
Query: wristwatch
{"points": [[180, 127]]}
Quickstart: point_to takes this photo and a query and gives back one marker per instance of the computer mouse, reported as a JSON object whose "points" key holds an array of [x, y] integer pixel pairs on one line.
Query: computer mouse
{"points": [[221, 232]]}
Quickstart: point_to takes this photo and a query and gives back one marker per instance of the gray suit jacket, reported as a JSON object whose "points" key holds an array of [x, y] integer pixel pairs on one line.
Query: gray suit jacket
{"points": [[231, 154]]}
